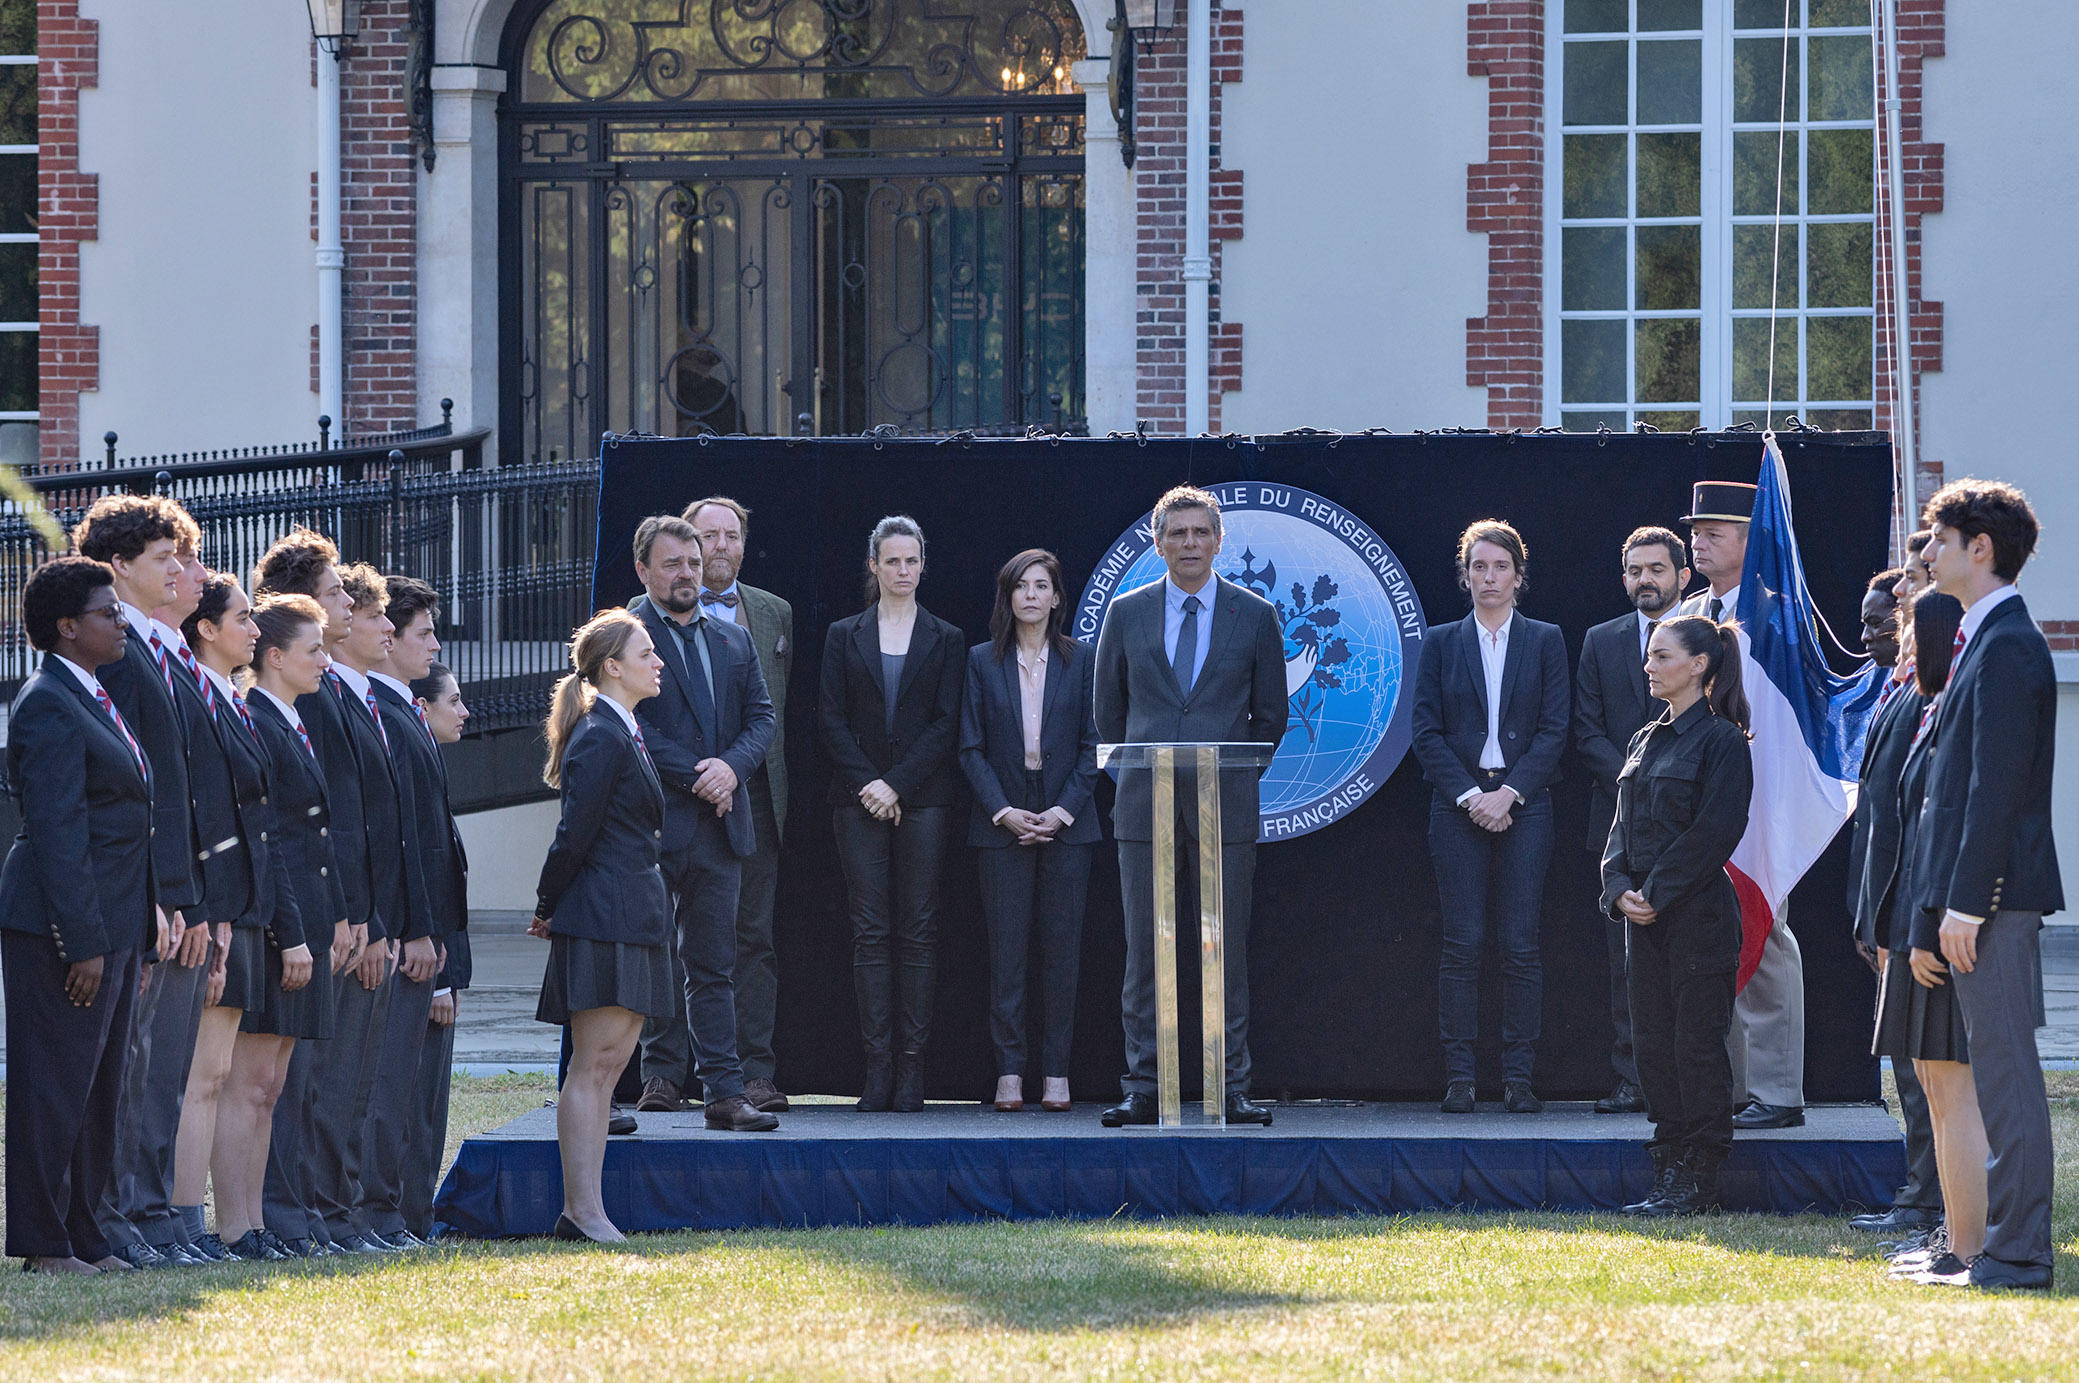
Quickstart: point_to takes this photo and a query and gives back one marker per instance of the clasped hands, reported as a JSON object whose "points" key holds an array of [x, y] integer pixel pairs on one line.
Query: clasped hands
{"points": [[1635, 908], [881, 802], [1491, 810], [1030, 828]]}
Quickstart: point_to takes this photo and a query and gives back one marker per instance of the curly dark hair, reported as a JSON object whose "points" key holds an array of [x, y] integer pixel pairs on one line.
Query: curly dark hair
{"points": [[292, 565], [216, 598], [59, 590], [1998, 510], [123, 526], [364, 586]]}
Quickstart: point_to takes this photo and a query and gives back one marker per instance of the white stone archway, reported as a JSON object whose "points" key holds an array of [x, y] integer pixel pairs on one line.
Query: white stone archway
{"points": [[458, 223]]}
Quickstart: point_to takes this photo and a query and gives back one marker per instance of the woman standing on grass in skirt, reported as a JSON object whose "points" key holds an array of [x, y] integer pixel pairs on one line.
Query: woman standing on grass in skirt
{"points": [[601, 901], [1682, 801]]}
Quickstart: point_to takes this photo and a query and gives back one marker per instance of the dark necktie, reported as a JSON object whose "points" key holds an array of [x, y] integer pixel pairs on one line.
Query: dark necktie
{"points": [[136, 751], [376, 716], [209, 693], [641, 748], [158, 648], [1186, 652], [245, 716], [1717, 610]]}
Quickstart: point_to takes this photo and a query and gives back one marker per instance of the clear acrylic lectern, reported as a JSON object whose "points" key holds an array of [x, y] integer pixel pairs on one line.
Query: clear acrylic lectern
{"points": [[1209, 761]]}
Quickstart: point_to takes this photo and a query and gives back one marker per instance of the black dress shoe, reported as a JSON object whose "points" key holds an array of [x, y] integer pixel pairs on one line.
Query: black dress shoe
{"points": [[1765, 1116], [141, 1255], [1518, 1098], [1900, 1219], [355, 1244], [211, 1246], [179, 1255], [566, 1228], [1458, 1097], [1625, 1099], [735, 1114], [1990, 1272], [1242, 1110], [763, 1094], [251, 1248], [1137, 1108], [404, 1241], [619, 1121]]}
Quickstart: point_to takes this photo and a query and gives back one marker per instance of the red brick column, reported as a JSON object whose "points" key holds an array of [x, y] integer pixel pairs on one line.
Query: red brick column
{"points": [[1158, 188], [1920, 38], [68, 206], [1505, 201], [379, 225]]}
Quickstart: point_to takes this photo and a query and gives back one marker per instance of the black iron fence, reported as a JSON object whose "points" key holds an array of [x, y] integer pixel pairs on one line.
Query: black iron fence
{"points": [[508, 547]]}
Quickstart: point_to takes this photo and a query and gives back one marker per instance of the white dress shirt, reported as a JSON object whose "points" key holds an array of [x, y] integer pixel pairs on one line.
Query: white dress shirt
{"points": [[1494, 658], [627, 716], [288, 711]]}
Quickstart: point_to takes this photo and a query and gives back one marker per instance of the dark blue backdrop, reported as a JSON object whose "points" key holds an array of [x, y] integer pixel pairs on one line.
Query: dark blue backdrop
{"points": [[1344, 955]]}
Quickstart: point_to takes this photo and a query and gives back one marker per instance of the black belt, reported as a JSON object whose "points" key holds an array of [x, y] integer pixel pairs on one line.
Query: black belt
{"points": [[1490, 778]]}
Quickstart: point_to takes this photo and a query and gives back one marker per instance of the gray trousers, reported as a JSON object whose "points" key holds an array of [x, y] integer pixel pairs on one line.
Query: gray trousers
{"points": [[342, 1074], [699, 1039], [757, 975], [392, 1119], [1767, 1041], [429, 1135], [1137, 888], [1923, 1188], [287, 1207], [138, 1204], [2001, 998]]}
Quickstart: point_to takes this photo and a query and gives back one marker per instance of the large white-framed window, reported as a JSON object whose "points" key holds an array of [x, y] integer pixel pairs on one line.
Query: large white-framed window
{"points": [[1665, 239], [18, 232]]}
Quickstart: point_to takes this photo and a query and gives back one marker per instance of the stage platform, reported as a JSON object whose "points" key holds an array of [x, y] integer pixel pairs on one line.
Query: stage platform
{"points": [[830, 1165]]}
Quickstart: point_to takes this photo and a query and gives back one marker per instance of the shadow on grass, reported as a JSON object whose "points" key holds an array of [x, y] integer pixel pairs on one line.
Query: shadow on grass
{"points": [[38, 1308]]}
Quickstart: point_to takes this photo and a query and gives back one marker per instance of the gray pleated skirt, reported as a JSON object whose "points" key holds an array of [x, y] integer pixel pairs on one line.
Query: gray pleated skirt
{"points": [[245, 971], [583, 973], [305, 1013]]}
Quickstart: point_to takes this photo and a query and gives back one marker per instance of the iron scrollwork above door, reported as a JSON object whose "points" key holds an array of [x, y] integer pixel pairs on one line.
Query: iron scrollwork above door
{"points": [[593, 51]]}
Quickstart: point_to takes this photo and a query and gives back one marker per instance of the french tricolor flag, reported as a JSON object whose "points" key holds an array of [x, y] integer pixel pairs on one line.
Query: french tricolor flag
{"points": [[1808, 720]]}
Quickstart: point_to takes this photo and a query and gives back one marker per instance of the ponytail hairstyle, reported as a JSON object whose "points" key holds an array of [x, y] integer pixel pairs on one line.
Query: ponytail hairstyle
{"points": [[894, 526], [216, 598], [1936, 618], [280, 618], [1719, 644], [603, 636]]}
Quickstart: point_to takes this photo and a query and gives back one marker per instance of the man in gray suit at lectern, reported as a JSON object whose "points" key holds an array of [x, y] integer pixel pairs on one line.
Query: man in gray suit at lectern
{"points": [[1189, 658]]}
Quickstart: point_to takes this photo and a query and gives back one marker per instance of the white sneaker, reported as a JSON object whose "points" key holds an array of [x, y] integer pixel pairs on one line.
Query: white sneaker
{"points": [[1946, 1271]]}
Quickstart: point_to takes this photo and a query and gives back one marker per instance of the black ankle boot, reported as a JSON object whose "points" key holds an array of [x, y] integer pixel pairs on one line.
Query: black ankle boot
{"points": [[878, 1096], [1665, 1162], [909, 1083]]}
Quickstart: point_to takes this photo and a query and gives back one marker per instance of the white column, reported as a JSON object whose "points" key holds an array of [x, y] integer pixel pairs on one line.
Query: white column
{"points": [[458, 249], [1198, 249], [1110, 301], [331, 256]]}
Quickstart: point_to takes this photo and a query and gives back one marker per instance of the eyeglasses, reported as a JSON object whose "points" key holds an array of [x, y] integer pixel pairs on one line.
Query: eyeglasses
{"points": [[112, 610]]}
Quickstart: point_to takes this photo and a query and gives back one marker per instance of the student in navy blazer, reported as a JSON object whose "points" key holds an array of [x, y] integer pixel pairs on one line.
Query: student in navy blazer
{"points": [[1985, 858], [601, 900], [708, 730], [1490, 724], [1028, 744], [76, 912], [890, 712]]}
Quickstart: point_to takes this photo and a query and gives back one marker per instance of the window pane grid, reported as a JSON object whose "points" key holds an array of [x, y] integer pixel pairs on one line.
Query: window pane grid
{"points": [[19, 335], [1822, 278]]}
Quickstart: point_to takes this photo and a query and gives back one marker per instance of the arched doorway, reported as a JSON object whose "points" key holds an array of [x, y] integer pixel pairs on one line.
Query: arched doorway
{"points": [[790, 216]]}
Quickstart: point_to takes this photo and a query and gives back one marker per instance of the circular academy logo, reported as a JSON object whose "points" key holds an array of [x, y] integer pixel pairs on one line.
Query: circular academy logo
{"points": [[1353, 631]]}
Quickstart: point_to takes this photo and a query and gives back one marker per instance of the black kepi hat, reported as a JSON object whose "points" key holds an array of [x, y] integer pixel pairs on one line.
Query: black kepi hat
{"points": [[1726, 500]]}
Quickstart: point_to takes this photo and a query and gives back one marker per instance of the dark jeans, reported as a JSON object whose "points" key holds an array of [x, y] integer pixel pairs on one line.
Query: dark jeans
{"points": [[1020, 884], [757, 975], [1679, 1019], [891, 878], [1137, 890], [1494, 881], [65, 1072], [705, 879]]}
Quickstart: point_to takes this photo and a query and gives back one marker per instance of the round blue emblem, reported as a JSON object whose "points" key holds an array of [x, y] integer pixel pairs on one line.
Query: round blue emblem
{"points": [[1353, 634]]}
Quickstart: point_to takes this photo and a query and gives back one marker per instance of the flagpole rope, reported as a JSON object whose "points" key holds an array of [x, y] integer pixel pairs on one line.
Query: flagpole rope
{"points": [[1776, 246]]}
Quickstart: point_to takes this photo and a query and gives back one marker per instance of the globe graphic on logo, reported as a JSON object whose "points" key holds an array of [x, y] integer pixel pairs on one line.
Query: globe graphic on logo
{"points": [[1352, 630]]}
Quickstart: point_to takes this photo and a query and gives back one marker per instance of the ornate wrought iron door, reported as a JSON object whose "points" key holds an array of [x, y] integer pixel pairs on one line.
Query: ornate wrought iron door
{"points": [[791, 216]]}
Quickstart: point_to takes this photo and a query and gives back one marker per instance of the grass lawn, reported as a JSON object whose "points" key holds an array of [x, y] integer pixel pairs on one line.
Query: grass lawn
{"points": [[1433, 1296]]}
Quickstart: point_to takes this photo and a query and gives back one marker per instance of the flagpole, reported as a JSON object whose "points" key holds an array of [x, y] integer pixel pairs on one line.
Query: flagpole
{"points": [[1902, 317]]}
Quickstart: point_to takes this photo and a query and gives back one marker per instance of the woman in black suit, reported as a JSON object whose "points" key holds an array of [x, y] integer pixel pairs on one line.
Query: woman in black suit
{"points": [[1490, 722], [601, 900], [890, 712], [75, 914], [1918, 1016], [307, 920], [1028, 744]]}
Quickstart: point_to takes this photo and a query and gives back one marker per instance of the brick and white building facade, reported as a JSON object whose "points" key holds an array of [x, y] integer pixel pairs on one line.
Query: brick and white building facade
{"points": [[1381, 226]]}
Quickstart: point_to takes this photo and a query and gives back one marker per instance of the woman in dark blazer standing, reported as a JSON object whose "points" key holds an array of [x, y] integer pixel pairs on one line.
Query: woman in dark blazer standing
{"points": [[75, 915], [1028, 744], [890, 712], [601, 901], [1490, 722], [306, 936]]}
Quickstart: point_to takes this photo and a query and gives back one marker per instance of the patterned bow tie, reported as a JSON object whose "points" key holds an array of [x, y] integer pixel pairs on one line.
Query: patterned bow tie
{"points": [[728, 598]]}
